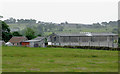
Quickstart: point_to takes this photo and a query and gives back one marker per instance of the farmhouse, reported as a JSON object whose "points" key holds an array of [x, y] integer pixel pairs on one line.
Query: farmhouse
{"points": [[16, 41], [37, 42], [84, 39]]}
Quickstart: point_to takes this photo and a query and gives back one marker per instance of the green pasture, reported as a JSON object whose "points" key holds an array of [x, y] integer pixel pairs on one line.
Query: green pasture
{"points": [[25, 59]]}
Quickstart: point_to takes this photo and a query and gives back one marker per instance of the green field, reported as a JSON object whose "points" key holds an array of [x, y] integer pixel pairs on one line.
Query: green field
{"points": [[24, 59]]}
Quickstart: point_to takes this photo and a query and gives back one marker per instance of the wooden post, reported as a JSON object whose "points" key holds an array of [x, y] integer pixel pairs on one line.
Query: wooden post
{"points": [[108, 40], [69, 40], [89, 40], [79, 40], [99, 40], [112, 42], [59, 41]]}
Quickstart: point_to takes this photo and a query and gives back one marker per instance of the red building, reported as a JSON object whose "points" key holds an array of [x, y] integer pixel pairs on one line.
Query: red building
{"points": [[25, 43], [16, 41]]}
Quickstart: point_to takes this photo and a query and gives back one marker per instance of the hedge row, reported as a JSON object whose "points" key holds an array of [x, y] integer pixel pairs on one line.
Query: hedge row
{"points": [[86, 47]]}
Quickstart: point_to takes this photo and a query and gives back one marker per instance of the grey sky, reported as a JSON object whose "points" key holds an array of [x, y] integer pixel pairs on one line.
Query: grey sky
{"points": [[71, 11]]}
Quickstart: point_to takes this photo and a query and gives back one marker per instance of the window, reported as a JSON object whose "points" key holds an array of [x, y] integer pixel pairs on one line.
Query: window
{"points": [[102, 38], [65, 39], [74, 39], [84, 39], [54, 38]]}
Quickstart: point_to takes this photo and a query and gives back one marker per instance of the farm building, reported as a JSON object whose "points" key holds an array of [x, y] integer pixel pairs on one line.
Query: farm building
{"points": [[8, 44], [16, 41], [2, 42], [37, 42], [84, 39]]}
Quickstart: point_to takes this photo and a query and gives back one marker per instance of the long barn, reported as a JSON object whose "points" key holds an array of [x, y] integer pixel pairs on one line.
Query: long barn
{"points": [[84, 39]]}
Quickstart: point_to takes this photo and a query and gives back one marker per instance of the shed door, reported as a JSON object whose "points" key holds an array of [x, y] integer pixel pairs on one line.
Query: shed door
{"points": [[36, 45]]}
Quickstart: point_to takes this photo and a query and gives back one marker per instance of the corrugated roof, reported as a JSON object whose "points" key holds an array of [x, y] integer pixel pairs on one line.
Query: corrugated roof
{"points": [[86, 34], [38, 38], [31, 41], [17, 39], [35, 39]]}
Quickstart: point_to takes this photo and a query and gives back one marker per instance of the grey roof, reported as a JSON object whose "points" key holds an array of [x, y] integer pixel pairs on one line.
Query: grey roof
{"points": [[86, 34], [35, 39], [38, 38], [31, 41]]}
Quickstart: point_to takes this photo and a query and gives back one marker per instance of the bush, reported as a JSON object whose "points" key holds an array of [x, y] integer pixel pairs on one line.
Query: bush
{"points": [[86, 47]]}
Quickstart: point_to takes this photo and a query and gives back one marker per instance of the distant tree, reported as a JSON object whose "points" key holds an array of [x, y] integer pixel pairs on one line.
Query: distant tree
{"points": [[39, 35], [16, 34], [97, 25], [10, 20], [113, 23], [6, 35], [45, 30], [29, 21], [30, 34], [78, 26], [46, 40], [60, 29], [66, 22], [70, 30], [115, 30], [39, 21], [19, 21], [40, 29], [1, 16], [104, 23]]}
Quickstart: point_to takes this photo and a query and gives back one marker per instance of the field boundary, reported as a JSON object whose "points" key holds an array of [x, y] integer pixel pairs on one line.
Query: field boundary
{"points": [[87, 47]]}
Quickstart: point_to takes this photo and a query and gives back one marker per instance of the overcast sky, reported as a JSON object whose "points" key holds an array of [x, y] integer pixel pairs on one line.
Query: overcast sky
{"points": [[57, 11]]}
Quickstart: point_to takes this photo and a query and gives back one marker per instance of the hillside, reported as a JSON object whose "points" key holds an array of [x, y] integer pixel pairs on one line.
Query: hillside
{"points": [[46, 28]]}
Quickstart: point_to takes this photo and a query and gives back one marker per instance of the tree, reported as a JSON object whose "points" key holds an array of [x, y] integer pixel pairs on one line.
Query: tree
{"points": [[30, 34], [96, 25], [78, 26], [60, 29], [1, 16], [40, 29], [104, 23], [16, 34], [6, 35], [66, 22], [39, 35], [10, 20]]}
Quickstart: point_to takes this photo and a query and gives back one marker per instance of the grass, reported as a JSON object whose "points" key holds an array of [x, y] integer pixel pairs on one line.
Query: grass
{"points": [[24, 59]]}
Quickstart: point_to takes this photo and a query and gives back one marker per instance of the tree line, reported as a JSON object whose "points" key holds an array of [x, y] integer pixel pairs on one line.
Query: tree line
{"points": [[19, 21]]}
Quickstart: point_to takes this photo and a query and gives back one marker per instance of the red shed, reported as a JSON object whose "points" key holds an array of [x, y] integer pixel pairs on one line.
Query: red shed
{"points": [[25, 43]]}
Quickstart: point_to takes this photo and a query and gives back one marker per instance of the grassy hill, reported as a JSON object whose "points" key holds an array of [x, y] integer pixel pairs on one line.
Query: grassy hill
{"points": [[48, 29], [24, 59]]}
